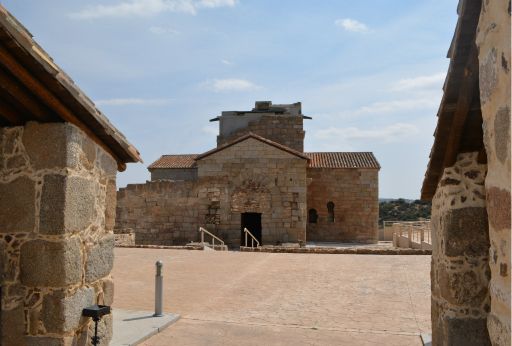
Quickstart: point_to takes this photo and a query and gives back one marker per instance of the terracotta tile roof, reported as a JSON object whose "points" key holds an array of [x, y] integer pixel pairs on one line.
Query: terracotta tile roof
{"points": [[175, 161], [257, 137], [342, 160]]}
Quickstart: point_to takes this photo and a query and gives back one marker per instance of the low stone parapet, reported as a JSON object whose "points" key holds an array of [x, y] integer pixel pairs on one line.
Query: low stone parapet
{"points": [[351, 251], [124, 237]]}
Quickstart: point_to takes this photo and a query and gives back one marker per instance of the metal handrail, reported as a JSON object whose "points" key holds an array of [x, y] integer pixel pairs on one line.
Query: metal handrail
{"points": [[253, 238], [203, 231]]}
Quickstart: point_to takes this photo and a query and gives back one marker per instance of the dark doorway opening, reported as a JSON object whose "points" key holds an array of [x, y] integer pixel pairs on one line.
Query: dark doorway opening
{"points": [[251, 221]]}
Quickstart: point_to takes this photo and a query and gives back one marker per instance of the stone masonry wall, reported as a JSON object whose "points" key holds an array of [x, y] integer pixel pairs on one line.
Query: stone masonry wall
{"points": [[493, 40], [460, 258], [247, 177], [262, 179], [174, 173], [283, 129], [354, 193], [57, 209]]}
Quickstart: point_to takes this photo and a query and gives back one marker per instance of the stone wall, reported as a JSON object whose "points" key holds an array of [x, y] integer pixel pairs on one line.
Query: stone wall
{"points": [[174, 173], [460, 241], [248, 177], [354, 193], [284, 129], [493, 40], [57, 209]]}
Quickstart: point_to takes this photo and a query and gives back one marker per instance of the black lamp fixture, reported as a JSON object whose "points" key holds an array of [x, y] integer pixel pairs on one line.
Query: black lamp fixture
{"points": [[96, 312]]}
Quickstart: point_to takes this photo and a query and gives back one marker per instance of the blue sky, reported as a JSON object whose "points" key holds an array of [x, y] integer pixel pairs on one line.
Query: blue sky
{"points": [[369, 72]]}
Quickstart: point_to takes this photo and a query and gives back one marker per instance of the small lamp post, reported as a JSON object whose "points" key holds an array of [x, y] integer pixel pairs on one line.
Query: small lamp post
{"points": [[96, 312]]}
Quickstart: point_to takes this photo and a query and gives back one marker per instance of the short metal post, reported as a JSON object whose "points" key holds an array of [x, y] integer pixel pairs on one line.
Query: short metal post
{"points": [[158, 289]]}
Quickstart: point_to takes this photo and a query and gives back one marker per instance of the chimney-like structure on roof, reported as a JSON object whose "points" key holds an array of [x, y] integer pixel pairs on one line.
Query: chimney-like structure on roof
{"points": [[281, 123]]}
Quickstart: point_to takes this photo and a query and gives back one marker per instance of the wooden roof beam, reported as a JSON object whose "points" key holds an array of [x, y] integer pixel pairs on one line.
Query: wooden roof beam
{"points": [[9, 114], [15, 90], [46, 96], [467, 91]]}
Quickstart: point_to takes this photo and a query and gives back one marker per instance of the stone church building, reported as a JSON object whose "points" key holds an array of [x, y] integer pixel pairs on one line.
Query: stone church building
{"points": [[258, 177]]}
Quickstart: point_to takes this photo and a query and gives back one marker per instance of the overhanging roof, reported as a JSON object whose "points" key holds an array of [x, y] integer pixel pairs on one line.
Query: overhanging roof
{"points": [[459, 123], [34, 88]]}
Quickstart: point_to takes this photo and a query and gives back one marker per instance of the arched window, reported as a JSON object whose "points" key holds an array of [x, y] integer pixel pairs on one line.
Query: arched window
{"points": [[312, 216], [330, 212]]}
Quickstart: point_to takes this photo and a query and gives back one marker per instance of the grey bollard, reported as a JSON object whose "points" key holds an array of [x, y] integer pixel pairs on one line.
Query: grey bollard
{"points": [[159, 289]]}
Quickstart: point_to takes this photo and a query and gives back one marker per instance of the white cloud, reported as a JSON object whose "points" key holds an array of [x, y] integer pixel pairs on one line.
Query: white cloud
{"points": [[162, 30], [390, 133], [351, 25], [399, 105], [132, 102], [146, 8], [226, 62], [230, 84], [216, 3], [420, 82]]}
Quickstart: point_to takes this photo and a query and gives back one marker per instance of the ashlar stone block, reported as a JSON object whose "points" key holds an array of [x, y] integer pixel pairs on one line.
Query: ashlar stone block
{"points": [[17, 206], [50, 263], [67, 204], [63, 313], [100, 259]]}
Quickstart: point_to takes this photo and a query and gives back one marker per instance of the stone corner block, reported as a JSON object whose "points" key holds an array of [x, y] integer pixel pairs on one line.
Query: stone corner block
{"points": [[52, 145], [100, 259], [17, 205], [61, 313], [67, 204], [50, 264], [466, 232]]}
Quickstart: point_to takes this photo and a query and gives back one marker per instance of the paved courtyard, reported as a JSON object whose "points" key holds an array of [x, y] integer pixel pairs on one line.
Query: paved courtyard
{"points": [[234, 298]]}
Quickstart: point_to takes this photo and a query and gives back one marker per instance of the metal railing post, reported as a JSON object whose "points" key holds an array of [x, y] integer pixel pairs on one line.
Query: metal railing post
{"points": [[158, 289]]}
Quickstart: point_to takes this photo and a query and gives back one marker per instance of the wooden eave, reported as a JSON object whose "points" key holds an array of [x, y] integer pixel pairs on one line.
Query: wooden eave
{"points": [[459, 124], [34, 88]]}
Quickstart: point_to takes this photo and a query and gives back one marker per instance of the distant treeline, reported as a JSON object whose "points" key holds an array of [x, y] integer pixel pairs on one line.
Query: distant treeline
{"points": [[403, 210]]}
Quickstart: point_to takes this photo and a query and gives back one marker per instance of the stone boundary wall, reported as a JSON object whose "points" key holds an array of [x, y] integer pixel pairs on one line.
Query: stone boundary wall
{"points": [[355, 194], [493, 40], [284, 129], [460, 255], [57, 204]]}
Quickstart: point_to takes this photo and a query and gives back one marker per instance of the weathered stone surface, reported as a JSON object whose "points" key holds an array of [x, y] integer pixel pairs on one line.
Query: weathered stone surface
{"points": [[107, 164], [13, 326], [462, 287], [502, 136], [51, 264], [17, 206], [52, 145], [498, 331], [62, 313], [100, 259], [67, 204], [466, 332], [499, 208], [465, 232], [110, 205], [108, 291], [488, 75]]}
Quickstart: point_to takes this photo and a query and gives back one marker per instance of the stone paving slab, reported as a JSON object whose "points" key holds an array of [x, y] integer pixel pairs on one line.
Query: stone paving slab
{"points": [[242, 298], [131, 327]]}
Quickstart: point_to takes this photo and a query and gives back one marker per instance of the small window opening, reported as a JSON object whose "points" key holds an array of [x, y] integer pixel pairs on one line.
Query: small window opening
{"points": [[313, 216], [330, 212]]}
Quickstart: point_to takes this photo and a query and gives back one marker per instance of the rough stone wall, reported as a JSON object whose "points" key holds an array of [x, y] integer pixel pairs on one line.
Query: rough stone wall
{"points": [[283, 129], [248, 177], [460, 258], [57, 209], [354, 193], [174, 173], [493, 40]]}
